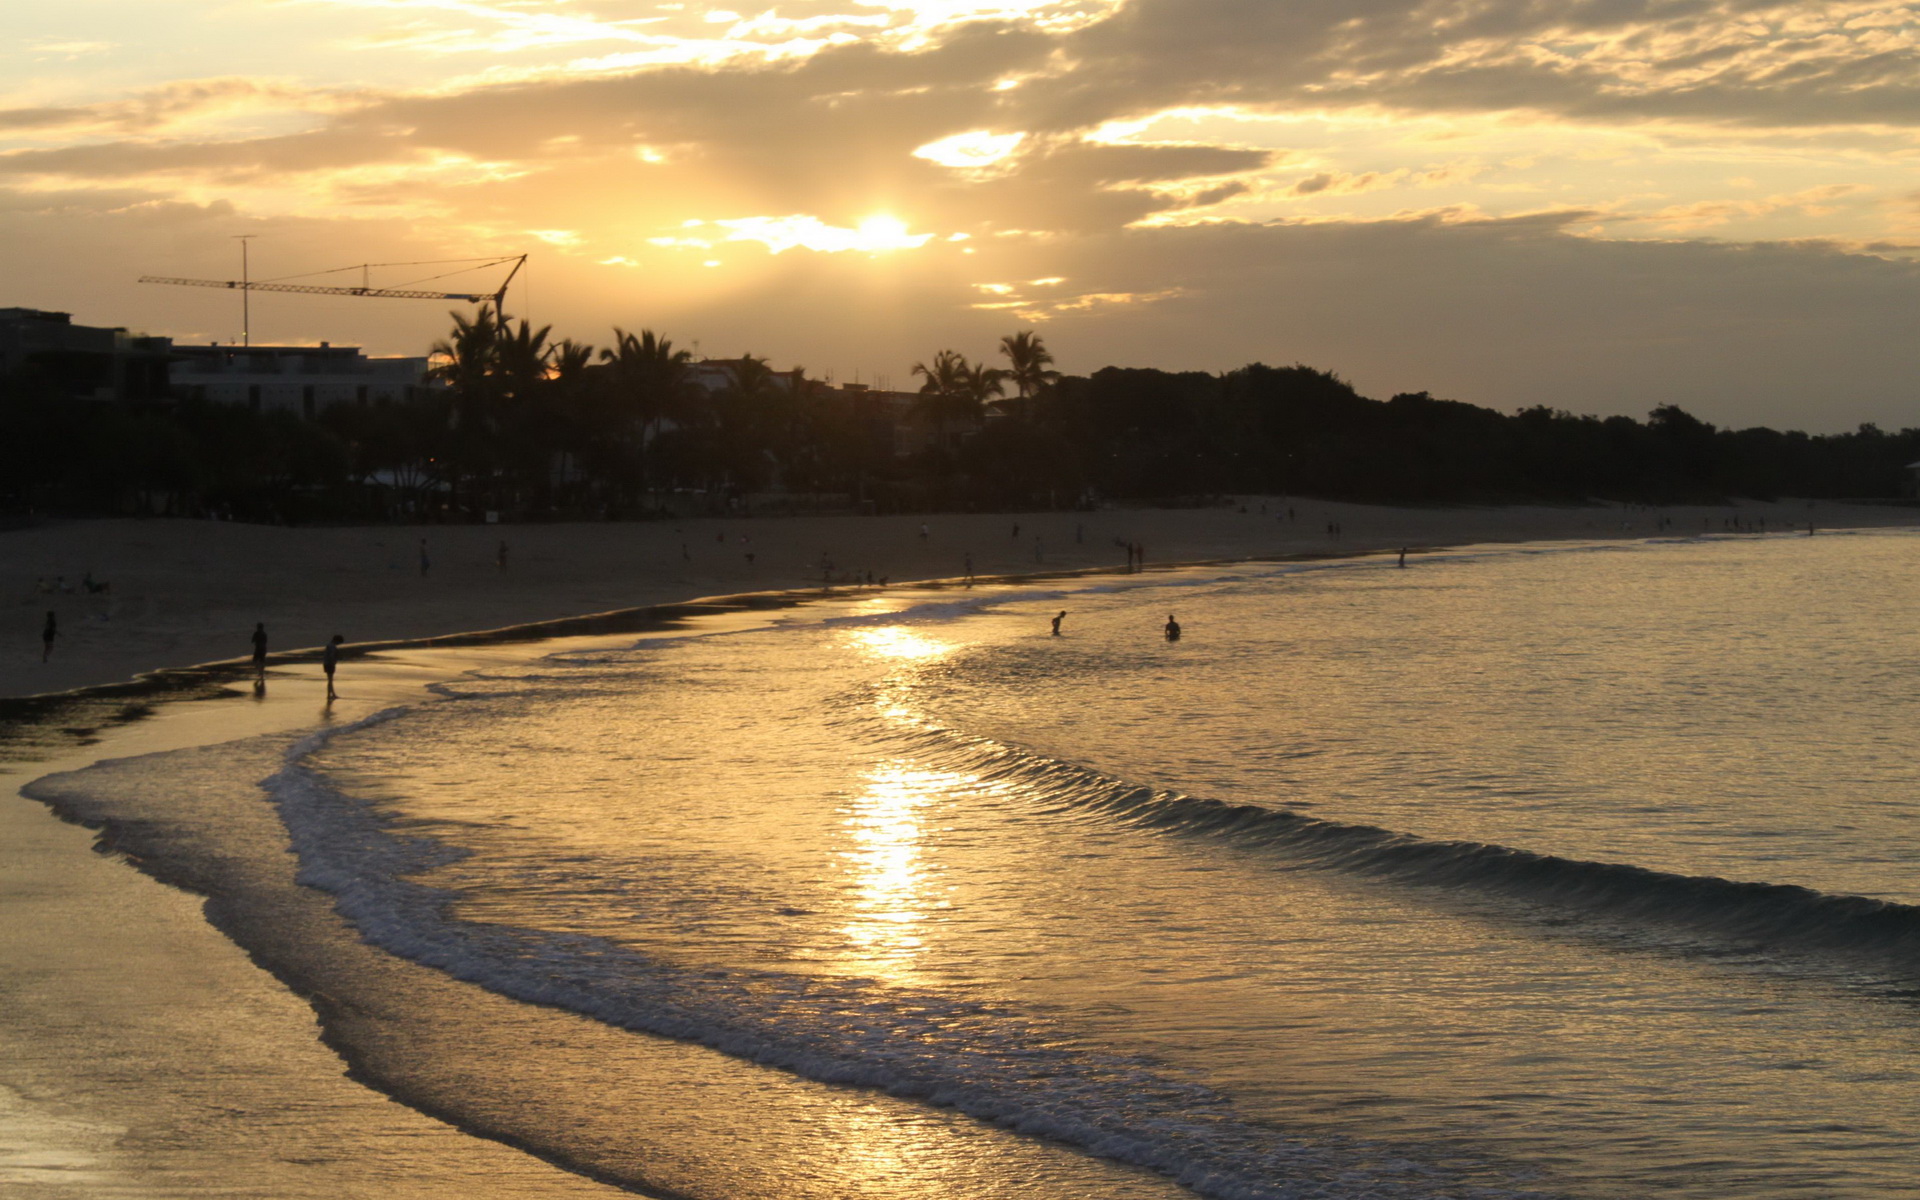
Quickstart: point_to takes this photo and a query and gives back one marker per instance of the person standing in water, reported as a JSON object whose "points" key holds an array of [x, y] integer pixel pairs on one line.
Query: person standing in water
{"points": [[425, 562], [1058, 617], [329, 659], [47, 634], [1173, 629], [260, 648], [1403, 556]]}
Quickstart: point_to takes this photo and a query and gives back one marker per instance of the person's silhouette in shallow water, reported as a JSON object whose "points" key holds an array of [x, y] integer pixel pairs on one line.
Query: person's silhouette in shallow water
{"points": [[329, 659]]}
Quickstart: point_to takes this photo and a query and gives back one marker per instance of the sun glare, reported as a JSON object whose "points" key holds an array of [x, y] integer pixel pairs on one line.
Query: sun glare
{"points": [[884, 232], [873, 235]]}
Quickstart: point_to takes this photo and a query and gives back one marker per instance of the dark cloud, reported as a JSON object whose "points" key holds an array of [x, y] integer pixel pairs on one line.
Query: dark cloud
{"points": [[41, 118], [1465, 55], [1515, 312]]}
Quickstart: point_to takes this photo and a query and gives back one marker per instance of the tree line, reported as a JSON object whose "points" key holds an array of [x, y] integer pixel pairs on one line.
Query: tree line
{"points": [[538, 428]]}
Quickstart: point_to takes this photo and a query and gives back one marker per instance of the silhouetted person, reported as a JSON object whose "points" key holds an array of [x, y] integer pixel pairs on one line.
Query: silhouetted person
{"points": [[969, 567], [260, 648], [1403, 556], [330, 659], [1059, 617], [500, 556], [47, 634], [425, 562], [1173, 629]]}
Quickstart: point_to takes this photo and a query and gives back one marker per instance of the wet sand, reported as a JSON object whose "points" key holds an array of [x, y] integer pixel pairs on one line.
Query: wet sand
{"points": [[143, 1055]]}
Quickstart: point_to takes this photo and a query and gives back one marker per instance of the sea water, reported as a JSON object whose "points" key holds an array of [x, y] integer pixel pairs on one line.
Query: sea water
{"points": [[1566, 870]]}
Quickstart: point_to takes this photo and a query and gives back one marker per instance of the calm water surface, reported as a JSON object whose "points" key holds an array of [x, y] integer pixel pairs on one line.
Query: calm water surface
{"points": [[1565, 871]]}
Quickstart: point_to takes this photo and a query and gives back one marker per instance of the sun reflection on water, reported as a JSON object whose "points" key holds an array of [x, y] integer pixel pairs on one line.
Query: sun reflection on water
{"points": [[893, 895], [898, 641]]}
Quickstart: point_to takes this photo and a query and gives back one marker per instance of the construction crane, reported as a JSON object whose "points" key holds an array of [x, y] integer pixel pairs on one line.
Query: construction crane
{"points": [[244, 285]]}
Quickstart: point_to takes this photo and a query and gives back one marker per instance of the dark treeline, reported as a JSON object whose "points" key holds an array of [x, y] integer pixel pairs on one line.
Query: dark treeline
{"points": [[538, 429]]}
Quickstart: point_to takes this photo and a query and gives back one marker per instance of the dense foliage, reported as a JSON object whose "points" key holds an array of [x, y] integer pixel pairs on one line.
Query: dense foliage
{"points": [[533, 428]]}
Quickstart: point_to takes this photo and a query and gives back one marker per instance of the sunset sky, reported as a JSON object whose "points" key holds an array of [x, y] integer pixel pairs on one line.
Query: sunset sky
{"points": [[1600, 205]]}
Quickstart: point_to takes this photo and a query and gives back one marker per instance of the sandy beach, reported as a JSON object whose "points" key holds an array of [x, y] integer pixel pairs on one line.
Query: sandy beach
{"points": [[187, 592]]}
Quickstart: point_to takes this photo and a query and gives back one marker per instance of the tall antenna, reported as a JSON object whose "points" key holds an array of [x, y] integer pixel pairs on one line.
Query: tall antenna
{"points": [[246, 292]]}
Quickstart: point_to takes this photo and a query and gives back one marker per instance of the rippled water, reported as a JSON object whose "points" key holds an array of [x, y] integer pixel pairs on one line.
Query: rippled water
{"points": [[1557, 870]]}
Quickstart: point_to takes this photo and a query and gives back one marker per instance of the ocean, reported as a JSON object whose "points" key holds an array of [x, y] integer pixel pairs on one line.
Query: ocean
{"points": [[1555, 870]]}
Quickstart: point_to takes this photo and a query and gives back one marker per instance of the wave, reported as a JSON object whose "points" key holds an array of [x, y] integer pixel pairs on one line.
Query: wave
{"points": [[1746, 916], [1013, 1068]]}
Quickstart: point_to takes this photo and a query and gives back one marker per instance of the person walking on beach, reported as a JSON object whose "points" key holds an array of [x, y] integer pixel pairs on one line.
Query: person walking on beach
{"points": [[330, 659], [47, 634], [1058, 617], [1173, 629], [259, 647], [425, 562], [969, 566]]}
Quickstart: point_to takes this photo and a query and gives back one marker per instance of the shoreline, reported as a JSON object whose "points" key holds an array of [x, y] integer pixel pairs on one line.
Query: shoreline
{"points": [[184, 594], [253, 924]]}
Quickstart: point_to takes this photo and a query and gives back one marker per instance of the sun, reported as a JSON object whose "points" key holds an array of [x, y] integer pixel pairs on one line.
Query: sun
{"points": [[881, 230]]}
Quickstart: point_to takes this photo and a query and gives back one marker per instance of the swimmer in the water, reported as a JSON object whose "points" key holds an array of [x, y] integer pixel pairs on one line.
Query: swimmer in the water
{"points": [[1173, 629], [1061, 616]]}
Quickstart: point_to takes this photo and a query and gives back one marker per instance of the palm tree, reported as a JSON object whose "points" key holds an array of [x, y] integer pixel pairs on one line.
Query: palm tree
{"points": [[649, 385], [467, 358], [469, 362], [943, 374], [1030, 360], [571, 396], [981, 383], [956, 389]]}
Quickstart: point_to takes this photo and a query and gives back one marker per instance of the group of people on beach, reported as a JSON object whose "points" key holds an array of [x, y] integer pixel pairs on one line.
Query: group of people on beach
{"points": [[329, 660]]}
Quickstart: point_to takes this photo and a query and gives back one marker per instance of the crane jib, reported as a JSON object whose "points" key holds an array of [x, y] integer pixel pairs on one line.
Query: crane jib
{"points": [[314, 289]]}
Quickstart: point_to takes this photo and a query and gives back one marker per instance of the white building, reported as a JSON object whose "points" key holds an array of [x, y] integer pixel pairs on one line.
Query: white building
{"points": [[301, 379]]}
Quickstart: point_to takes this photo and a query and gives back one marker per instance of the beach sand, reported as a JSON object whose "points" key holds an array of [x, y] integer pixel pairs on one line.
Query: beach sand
{"points": [[186, 592], [145, 1055]]}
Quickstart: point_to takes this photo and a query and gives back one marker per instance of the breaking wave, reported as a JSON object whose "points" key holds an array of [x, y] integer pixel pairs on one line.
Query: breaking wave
{"points": [[1745, 916]]}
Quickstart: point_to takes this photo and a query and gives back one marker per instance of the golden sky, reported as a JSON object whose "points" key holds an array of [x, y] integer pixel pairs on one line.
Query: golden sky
{"points": [[1600, 205]]}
